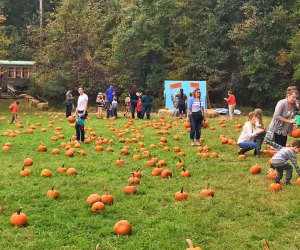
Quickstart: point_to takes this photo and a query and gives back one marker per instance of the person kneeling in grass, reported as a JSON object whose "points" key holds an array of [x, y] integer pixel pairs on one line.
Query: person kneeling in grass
{"points": [[280, 160], [247, 138]]}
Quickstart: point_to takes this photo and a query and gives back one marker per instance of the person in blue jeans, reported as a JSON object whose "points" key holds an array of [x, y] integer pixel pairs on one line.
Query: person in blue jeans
{"points": [[110, 93], [247, 138], [195, 115]]}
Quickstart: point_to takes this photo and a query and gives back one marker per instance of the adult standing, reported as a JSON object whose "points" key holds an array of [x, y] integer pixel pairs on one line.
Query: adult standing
{"points": [[81, 110], [283, 118], [231, 104], [146, 104], [69, 103], [134, 97], [182, 99], [110, 93], [195, 114]]}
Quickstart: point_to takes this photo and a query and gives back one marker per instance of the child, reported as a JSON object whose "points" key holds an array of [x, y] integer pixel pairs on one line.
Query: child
{"points": [[259, 127], [127, 106], [175, 100], [14, 108], [139, 107], [114, 107], [79, 126], [246, 138], [279, 160], [100, 104]]}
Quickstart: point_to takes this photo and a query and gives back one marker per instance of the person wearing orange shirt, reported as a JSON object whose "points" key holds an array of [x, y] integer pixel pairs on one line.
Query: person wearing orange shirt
{"points": [[231, 104], [14, 109]]}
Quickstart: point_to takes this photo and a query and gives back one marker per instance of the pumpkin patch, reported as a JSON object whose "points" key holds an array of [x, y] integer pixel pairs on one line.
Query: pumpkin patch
{"points": [[143, 164]]}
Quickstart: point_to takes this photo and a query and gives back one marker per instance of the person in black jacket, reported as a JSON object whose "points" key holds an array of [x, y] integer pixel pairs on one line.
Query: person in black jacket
{"points": [[134, 97]]}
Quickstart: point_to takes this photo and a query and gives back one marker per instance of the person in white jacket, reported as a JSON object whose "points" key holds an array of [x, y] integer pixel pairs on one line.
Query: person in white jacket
{"points": [[246, 140]]}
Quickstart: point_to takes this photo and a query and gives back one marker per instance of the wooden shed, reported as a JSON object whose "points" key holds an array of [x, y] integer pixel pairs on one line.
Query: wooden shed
{"points": [[15, 74]]}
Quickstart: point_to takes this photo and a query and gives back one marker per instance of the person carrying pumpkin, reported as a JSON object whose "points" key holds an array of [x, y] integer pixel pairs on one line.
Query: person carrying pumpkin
{"points": [[280, 160], [14, 109]]}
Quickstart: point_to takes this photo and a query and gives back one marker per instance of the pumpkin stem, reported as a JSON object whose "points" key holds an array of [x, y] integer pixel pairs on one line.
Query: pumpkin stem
{"points": [[181, 190], [191, 245], [183, 169], [52, 188], [207, 185], [97, 247], [19, 210], [23, 168]]}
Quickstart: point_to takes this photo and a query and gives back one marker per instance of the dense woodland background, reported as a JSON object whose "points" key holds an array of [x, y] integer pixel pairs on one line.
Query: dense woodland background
{"points": [[249, 46]]}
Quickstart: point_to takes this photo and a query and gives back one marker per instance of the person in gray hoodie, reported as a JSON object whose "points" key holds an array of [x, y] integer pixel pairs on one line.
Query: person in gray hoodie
{"points": [[280, 160]]}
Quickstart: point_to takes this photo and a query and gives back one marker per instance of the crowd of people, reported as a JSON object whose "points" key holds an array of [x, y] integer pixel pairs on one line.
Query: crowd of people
{"points": [[286, 117]]}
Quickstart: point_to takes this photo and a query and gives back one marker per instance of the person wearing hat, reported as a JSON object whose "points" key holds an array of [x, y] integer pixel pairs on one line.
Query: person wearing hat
{"points": [[100, 102]]}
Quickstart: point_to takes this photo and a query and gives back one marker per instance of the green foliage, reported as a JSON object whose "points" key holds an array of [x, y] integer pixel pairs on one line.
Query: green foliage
{"points": [[4, 41], [248, 46]]}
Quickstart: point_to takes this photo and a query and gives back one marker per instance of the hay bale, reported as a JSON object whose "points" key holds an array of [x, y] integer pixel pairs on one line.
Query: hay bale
{"points": [[33, 102], [28, 97], [22, 96], [43, 106], [211, 113], [165, 113]]}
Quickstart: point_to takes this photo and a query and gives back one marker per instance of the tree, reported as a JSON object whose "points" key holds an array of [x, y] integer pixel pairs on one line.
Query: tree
{"points": [[4, 41]]}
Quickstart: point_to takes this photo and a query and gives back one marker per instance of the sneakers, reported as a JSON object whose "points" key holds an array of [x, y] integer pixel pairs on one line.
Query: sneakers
{"points": [[258, 156], [198, 143], [192, 144]]}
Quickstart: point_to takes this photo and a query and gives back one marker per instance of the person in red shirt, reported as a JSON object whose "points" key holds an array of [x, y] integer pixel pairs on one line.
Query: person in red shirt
{"points": [[231, 104], [14, 109], [139, 107]]}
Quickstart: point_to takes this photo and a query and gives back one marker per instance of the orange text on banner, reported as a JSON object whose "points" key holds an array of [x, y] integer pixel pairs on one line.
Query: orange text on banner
{"points": [[194, 84], [175, 85]]}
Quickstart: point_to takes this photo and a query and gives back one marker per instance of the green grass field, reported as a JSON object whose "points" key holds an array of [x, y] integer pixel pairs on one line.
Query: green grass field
{"points": [[242, 213]]}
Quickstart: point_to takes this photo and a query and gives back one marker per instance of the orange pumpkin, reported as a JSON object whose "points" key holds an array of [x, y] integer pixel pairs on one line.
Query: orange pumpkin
{"points": [[71, 171], [130, 190], [61, 169], [275, 187], [46, 173], [207, 192], [98, 206], [123, 227], [53, 193], [55, 151], [71, 119], [297, 182], [272, 175], [18, 219], [180, 196], [119, 162], [179, 164], [255, 169], [133, 180], [42, 148], [93, 198], [28, 162], [167, 173], [185, 173], [295, 133], [107, 199], [25, 172]]}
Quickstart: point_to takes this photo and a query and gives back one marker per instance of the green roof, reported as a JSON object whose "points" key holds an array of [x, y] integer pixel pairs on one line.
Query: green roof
{"points": [[8, 62]]}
